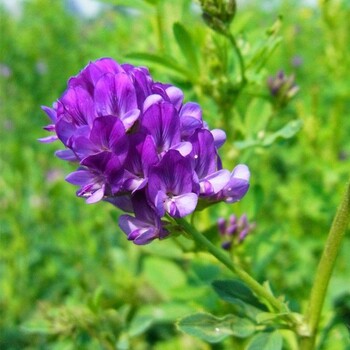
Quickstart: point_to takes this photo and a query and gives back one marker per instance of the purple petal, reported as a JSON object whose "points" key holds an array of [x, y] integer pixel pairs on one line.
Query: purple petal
{"points": [[141, 80], [217, 181], [149, 155], [137, 231], [175, 95], [193, 110], [80, 177], [235, 191], [203, 154], [66, 154], [130, 118], [50, 128], [151, 100], [238, 185], [83, 147], [219, 137], [172, 175], [122, 202], [108, 133], [114, 173], [114, 95], [133, 183], [159, 200], [162, 122], [189, 125], [79, 105], [184, 148], [65, 130], [97, 162], [180, 206], [142, 154], [51, 113], [89, 76], [96, 196], [48, 139], [241, 171]]}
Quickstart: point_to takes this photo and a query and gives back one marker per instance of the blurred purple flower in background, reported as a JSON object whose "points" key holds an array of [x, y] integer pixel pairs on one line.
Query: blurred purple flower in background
{"points": [[140, 147], [297, 61], [234, 230], [5, 71], [282, 87]]}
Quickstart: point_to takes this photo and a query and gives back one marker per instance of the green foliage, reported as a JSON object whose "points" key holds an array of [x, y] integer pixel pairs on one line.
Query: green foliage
{"points": [[69, 278], [213, 329], [266, 341]]}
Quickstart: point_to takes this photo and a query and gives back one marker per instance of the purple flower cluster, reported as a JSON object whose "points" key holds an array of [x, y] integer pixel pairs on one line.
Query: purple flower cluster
{"points": [[140, 147], [234, 230]]}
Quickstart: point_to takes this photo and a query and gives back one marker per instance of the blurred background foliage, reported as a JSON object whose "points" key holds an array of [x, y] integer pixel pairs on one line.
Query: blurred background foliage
{"points": [[69, 278]]}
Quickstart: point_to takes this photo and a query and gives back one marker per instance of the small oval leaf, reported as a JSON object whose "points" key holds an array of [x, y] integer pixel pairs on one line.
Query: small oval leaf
{"points": [[287, 132], [213, 329]]}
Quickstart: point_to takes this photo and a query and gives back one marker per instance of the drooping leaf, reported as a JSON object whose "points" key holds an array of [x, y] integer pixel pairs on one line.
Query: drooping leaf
{"points": [[246, 143], [286, 132], [233, 290], [266, 341], [213, 329]]}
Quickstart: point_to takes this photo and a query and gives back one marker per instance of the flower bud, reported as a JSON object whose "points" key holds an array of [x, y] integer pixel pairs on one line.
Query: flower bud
{"points": [[218, 14], [233, 231], [282, 88]]}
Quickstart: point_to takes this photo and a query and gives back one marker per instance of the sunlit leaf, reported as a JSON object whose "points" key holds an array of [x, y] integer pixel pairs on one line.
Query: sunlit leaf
{"points": [[213, 329]]}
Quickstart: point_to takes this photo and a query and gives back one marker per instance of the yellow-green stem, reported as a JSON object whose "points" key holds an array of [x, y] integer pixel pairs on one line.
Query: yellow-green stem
{"points": [[255, 286], [325, 269], [240, 58]]}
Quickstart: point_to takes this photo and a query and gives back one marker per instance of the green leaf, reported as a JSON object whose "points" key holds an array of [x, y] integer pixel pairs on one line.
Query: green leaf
{"points": [[286, 132], [187, 47], [164, 275], [164, 61], [266, 341], [246, 143], [233, 290], [213, 329]]}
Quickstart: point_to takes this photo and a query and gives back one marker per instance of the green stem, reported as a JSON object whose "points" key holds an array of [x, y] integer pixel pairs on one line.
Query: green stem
{"points": [[159, 24], [258, 289], [325, 269], [239, 56]]}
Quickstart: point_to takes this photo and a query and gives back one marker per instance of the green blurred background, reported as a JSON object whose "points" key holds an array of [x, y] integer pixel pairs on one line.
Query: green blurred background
{"points": [[69, 278]]}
